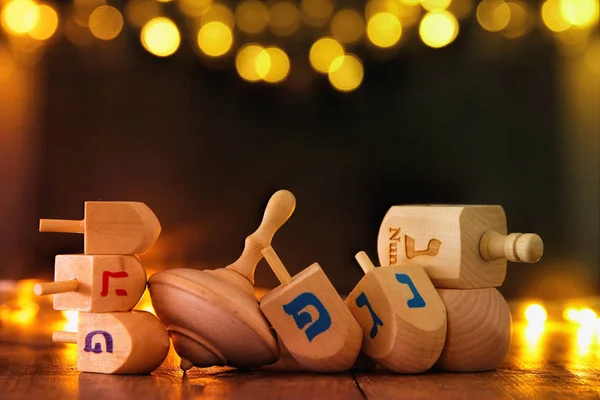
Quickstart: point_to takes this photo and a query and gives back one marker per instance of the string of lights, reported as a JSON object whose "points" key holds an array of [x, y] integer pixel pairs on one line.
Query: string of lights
{"points": [[244, 32]]}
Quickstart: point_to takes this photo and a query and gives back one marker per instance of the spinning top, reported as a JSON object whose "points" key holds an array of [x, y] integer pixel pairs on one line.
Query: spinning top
{"points": [[111, 227], [95, 283], [401, 314], [213, 316]]}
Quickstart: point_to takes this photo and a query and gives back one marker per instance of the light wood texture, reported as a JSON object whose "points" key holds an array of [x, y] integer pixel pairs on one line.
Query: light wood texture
{"points": [[479, 330], [446, 240], [64, 337], [112, 227], [118, 343], [402, 316], [365, 262], [277, 266], [312, 321], [99, 283], [213, 316]]}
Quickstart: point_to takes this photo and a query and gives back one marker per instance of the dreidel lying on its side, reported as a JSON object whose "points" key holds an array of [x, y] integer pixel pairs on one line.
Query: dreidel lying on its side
{"points": [[111, 227], [311, 319], [460, 247], [402, 316], [118, 343], [99, 283]]}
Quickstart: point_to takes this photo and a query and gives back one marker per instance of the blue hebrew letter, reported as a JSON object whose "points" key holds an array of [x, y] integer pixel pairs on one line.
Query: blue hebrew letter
{"points": [[98, 346], [361, 301], [302, 318], [417, 301]]}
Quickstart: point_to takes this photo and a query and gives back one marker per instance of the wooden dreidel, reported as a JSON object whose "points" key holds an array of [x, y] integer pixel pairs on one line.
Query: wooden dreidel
{"points": [[99, 283], [212, 315], [311, 319], [479, 330], [402, 316], [118, 343], [111, 227], [462, 247]]}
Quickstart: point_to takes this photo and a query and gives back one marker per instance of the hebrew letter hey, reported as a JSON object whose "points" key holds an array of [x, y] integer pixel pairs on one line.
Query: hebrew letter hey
{"points": [[302, 318], [97, 349], [106, 275], [433, 248], [416, 301], [362, 301]]}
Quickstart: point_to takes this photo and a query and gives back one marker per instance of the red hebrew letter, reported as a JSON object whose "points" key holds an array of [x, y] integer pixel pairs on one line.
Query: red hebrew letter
{"points": [[106, 275]]}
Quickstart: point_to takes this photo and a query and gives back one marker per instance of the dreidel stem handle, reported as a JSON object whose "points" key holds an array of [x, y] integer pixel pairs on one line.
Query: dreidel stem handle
{"points": [[56, 287], [62, 225], [64, 337], [277, 266], [364, 261], [516, 247], [279, 209]]}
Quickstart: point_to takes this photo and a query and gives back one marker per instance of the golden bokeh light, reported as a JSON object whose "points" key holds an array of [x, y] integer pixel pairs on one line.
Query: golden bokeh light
{"points": [[435, 5], [71, 319], [215, 39], [284, 18], [553, 17], [348, 26], [461, 8], [519, 23], [160, 37], [316, 12], [7, 64], [138, 12], [384, 30], [411, 2], [19, 16], [218, 12], [82, 9], [251, 63], [346, 73], [106, 22], [279, 65], [535, 314], [251, 16], [580, 13], [77, 34], [194, 8], [323, 52], [587, 317], [46, 25], [493, 15], [408, 15], [438, 29]]}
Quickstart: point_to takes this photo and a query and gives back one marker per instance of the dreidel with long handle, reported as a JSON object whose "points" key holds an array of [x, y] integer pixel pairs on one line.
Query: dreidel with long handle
{"points": [[460, 247], [99, 283], [213, 315], [118, 343], [111, 227], [311, 319], [402, 316]]}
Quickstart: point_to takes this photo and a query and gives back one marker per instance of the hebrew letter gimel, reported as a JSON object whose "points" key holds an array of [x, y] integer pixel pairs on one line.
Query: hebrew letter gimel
{"points": [[417, 300], [97, 349], [296, 308], [362, 301]]}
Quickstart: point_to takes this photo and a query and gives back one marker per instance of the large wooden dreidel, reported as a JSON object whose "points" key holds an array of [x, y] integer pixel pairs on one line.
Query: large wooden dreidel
{"points": [[111, 227], [99, 283], [401, 314], [311, 319], [213, 316], [118, 343], [461, 247]]}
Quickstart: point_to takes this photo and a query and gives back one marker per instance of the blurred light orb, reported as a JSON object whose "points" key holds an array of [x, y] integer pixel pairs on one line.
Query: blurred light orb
{"points": [[580, 13], [411, 2], [316, 12], [348, 26], [279, 65], [215, 39], [570, 314], [384, 30], [408, 15], [252, 16], [138, 12], [587, 317], [493, 15], [519, 23], [47, 23], [284, 18], [346, 73], [323, 52], [535, 314], [435, 5], [461, 8], [251, 63], [194, 8], [19, 16], [106, 22], [553, 17], [77, 34], [218, 12], [161, 37], [438, 29], [82, 9]]}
